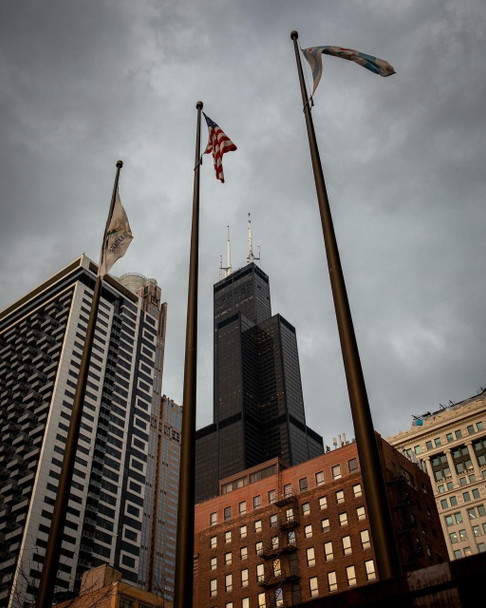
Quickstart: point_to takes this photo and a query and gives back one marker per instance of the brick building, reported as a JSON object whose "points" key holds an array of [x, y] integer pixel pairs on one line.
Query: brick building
{"points": [[279, 536]]}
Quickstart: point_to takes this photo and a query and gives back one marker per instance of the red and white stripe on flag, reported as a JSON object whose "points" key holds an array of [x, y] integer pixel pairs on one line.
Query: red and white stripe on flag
{"points": [[218, 144]]}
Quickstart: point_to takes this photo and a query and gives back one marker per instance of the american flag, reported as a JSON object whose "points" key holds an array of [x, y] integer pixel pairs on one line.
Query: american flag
{"points": [[218, 144]]}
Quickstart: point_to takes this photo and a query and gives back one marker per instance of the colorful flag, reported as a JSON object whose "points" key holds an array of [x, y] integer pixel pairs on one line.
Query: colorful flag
{"points": [[218, 144], [117, 238], [314, 56]]}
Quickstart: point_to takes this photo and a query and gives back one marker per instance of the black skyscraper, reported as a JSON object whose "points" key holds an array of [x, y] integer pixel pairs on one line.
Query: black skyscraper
{"points": [[258, 402]]}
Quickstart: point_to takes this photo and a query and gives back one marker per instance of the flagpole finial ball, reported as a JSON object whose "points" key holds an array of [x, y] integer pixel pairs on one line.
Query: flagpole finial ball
{"points": [[294, 34], [199, 105], [119, 164]]}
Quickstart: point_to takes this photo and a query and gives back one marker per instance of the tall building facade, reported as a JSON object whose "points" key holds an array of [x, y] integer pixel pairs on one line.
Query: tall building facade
{"points": [[41, 342], [258, 410], [451, 443], [279, 536]]}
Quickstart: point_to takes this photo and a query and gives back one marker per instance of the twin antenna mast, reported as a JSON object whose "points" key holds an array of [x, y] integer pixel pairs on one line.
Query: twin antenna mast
{"points": [[225, 271]]}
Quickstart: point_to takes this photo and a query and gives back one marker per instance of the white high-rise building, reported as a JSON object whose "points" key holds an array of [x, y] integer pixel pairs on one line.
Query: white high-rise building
{"points": [[41, 342]]}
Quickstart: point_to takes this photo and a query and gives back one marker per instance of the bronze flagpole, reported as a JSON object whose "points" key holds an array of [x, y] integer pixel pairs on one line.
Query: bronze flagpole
{"points": [[48, 578], [184, 574], [387, 560]]}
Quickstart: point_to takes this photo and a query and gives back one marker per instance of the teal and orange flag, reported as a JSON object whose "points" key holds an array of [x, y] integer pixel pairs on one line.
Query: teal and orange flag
{"points": [[313, 54]]}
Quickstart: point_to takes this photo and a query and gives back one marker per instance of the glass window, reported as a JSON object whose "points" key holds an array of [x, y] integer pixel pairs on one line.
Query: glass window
{"points": [[437, 441], [458, 434], [227, 536], [343, 519], [453, 537], [257, 502], [448, 520], [243, 531], [351, 575], [260, 573], [258, 525], [481, 547], [259, 547], [313, 588], [228, 583], [227, 513], [245, 602], [213, 587], [353, 465], [462, 534], [228, 558], [471, 430], [428, 445], [467, 551], [336, 471], [213, 542], [328, 552], [332, 581], [416, 449], [213, 519], [244, 577], [340, 496], [244, 553], [319, 478], [475, 493], [310, 556], [261, 600], [242, 507], [274, 541], [289, 514], [444, 504], [346, 540], [272, 497], [287, 489], [370, 570], [273, 520], [228, 605], [291, 537], [453, 501], [365, 539], [457, 554], [476, 530], [449, 437], [276, 567], [214, 563], [466, 496], [325, 525], [458, 517], [308, 531], [279, 597], [305, 508], [323, 502], [480, 426], [357, 490], [303, 484]]}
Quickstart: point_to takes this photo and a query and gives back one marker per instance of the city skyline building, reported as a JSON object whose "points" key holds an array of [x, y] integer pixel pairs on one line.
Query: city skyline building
{"points": [[280, 536], [120, 456], [451, 443], [258, 407]]}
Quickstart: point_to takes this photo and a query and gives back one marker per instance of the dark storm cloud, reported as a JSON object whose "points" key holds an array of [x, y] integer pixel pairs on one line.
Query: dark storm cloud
{"points": [[85, 83]]}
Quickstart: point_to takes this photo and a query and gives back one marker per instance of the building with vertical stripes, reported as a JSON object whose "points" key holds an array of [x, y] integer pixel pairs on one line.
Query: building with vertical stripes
{"points": [[41, 343]]}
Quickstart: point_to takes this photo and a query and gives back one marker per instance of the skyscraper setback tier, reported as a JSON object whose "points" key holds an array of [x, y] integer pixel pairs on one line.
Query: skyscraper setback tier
{"points": [[258, 407], [41, 342]]}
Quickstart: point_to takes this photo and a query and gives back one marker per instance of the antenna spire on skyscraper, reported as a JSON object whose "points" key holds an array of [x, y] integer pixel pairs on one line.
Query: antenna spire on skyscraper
{"points": [[251, 258]]}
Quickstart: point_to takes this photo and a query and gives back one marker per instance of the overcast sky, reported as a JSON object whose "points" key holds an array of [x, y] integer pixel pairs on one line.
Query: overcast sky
{"points": [[87, 82]]}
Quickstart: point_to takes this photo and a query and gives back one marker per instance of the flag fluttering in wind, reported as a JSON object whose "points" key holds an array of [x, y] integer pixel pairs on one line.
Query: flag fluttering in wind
{"points": [[218, 144], [314, 54], [117, 237]]}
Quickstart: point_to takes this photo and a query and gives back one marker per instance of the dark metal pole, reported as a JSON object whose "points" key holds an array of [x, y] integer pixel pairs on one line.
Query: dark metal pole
{"points": [[51, 561], [184, 574], [387, 560]]}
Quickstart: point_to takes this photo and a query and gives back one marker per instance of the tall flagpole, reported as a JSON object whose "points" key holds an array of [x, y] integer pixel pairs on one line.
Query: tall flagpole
{"points": [[51, 561], [387, 560], [184, 574]]}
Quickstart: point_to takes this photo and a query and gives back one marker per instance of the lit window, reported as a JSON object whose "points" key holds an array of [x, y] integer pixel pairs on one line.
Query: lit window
{"points": [[273, 520], [361, 513], [467, 551], [213, 563], [370, 570], [476, 530], [244, 553], [351, 575], [259, 547], [261, 600], [346, 540], [245, 602], [365, 539], [257, 502], [243, 531], [213, 587], [213, 542], [357, 490], [311, 556], [343, 519], [258, 525], [328, 552], [291, 537], [319, 478], [244, 577], [462, 534], [325, 525], [228, 605], [313, 588], [274, 541], [228, 558], [260, 573], [340, 496], [336, 471], [279, 597], [323, 502], [305, 508], [227, 513], [308, 531], [242, 507], [227, 536], [276, 567], [272, 497], [228, 583], [332, 581], [213, 519], [289, 514], [453, 537], [303, 484]]}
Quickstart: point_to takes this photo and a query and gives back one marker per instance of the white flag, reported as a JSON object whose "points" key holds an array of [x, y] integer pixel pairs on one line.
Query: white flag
{"points": [[117, 238]]}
